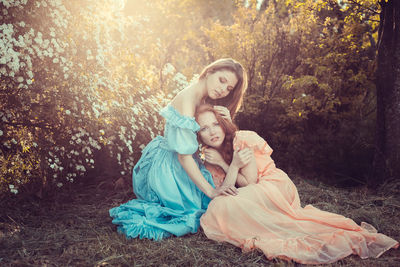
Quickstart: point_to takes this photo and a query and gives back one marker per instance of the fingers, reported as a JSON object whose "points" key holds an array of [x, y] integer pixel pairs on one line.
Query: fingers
{"points": [[245, 153], [245, 156], [221, 108], [208, 155], [246, 160], [208, 149], [223, 112], [209, 159], [211, 154], [229, 190]]}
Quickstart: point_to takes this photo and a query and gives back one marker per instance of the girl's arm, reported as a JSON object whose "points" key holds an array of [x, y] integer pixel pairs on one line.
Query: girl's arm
{"points": [[250, 171], [246, 174], [241, 180], [187, 108], [195, 174], [232, 172], [241, 159], [197, 177]]}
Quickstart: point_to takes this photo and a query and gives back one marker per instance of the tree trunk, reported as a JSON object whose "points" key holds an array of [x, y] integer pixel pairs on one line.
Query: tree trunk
{"points": [[387, 154]]}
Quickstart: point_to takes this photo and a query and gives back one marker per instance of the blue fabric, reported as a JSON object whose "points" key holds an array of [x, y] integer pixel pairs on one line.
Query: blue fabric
{"points": [[168, 202]]}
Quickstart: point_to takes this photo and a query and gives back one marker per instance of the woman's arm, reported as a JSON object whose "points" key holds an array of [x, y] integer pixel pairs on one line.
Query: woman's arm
{"points": [[195, 174], [197, 177], [250, 171], [241, 180], [231, 175], [183, 104], [241, 159], [242, 170]]}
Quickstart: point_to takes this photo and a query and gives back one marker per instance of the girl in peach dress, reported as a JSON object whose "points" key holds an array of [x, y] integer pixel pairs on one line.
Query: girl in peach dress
{"points": [[265, 211]]}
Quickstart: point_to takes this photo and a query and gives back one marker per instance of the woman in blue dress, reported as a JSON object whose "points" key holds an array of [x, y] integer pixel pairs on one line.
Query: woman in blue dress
{"points": [[172, 188]]}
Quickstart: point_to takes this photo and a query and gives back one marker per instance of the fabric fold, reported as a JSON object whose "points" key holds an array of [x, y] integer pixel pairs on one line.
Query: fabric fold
{"points": [[268, 216], [168, 202], [174, 118]]}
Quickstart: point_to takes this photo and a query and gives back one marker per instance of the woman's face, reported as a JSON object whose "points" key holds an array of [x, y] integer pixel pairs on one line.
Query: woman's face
{"points": [[211, 132], [220, 83]]}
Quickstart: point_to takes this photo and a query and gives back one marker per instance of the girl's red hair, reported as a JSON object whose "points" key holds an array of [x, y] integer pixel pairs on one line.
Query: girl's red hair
{"points": [[228, 127]]}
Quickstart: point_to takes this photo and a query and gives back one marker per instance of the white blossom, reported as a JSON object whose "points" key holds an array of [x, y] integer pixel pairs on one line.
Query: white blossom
{"points": [[168, 69], [26, 48]]}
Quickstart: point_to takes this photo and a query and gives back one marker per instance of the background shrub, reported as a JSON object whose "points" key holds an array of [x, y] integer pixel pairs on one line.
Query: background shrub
{"points": [[82, 81]]}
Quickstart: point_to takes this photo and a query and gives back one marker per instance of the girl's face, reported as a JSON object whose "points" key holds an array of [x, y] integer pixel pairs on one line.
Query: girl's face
{"points": [[220, 83], [211, 132]]}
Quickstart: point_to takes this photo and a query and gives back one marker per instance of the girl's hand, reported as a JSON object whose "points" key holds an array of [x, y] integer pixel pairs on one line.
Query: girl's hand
{"points": [[213, 156], [230, 190], [223, 112], [242, 157]]}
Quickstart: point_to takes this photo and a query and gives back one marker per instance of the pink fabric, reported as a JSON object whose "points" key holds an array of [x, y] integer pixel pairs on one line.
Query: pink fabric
{"points": [[268, 215]]}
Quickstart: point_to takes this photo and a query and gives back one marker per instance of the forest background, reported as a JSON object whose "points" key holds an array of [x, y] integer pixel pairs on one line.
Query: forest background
{"points": [[82, 82]]}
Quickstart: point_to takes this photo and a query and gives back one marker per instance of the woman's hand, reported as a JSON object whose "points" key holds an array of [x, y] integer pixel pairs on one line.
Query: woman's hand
{"points": [[223, 112], [242, 157], [213, 156], [224, 190]]}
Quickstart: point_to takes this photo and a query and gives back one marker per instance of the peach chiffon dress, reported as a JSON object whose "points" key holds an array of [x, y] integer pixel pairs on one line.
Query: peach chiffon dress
{"points": [[268, 216]]}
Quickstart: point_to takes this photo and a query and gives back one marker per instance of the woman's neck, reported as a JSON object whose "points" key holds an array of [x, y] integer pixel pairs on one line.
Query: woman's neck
{"points": [[200, 91]]}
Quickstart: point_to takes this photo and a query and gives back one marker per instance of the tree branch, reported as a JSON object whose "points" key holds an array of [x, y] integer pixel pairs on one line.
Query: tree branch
{"points": [[365, 7]]}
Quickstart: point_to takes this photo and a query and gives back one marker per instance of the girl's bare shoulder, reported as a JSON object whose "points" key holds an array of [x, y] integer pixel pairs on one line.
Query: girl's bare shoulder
{"points": [[184, 103]]}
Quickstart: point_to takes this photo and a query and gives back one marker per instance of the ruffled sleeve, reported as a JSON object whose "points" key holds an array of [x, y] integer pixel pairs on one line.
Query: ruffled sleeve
{"points": [[252, 140], [180, 131], [262, 151]]}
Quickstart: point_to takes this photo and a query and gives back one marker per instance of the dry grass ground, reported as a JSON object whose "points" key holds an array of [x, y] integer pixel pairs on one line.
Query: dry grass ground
{"points": [[73, 228]]}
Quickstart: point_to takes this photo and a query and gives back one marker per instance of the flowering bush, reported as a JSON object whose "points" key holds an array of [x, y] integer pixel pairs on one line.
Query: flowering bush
{"points": [[74, 95], [82, 81]]}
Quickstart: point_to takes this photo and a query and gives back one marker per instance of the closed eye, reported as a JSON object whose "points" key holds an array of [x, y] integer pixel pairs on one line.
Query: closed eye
{"points": [[224, 80]]}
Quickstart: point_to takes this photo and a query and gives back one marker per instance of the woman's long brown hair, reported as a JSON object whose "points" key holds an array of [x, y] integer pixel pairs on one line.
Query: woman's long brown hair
{"points": [[228, 127], [233, 100]]}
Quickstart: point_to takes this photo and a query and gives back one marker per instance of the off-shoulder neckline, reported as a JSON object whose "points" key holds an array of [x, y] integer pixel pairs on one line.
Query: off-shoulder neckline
{"points": [[179, 114], [191, 120]]}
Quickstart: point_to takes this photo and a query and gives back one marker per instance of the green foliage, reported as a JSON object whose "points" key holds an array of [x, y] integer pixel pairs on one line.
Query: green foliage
{"points": [[75, 96], [311, 68], [82, 81]]}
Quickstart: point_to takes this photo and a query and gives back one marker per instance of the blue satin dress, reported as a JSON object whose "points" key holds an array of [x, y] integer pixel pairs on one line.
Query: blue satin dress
{"points": [[168, 202]]}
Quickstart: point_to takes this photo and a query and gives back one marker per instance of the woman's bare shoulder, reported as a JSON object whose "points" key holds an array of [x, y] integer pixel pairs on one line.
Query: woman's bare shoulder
{"points": [[184, 103]]}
